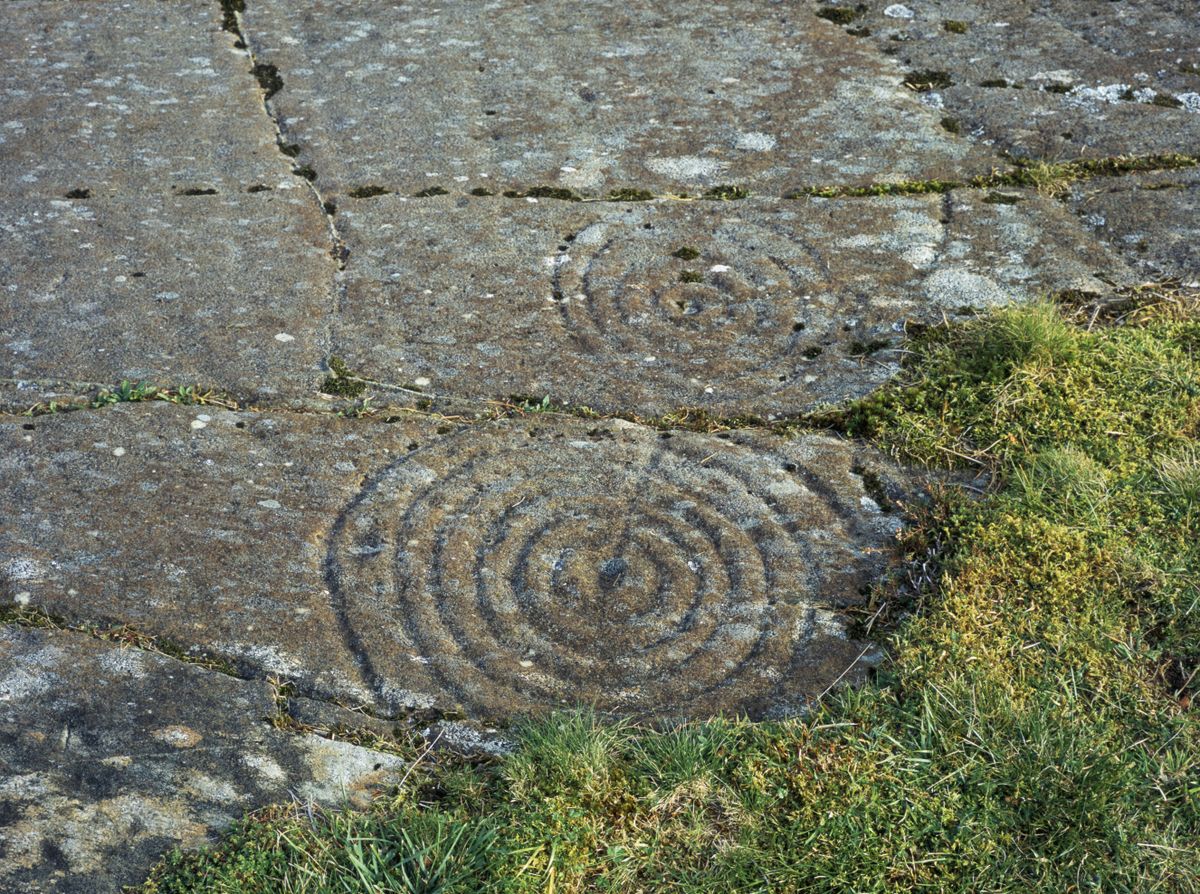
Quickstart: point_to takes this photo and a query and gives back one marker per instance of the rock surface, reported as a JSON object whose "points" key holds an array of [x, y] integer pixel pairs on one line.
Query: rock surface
{"points": [[112, 98], [1153, 220], [1051, 79], [495, 568], [381, 235], [764, 307], [111, 754], [227, 290], [591, 97]]}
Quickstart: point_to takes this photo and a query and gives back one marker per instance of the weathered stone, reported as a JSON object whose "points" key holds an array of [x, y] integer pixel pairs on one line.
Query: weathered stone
{"points": [[112, 754], [1053, 79], [229, 291], [503, 567], [783, 305], [1152, 220], [134, 96], [590, 97], [410, 575]]}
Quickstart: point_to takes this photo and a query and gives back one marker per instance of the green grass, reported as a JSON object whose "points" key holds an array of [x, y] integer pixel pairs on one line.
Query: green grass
{"points": [[1032, 730]]}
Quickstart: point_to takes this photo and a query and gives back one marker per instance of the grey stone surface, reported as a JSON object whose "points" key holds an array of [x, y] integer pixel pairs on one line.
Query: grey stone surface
{"points": [[591, 96], [451, 571], [499, 567], [1153, 220], [228, 290], [127, 96], [795, 303], [111, 754], [1052, 79]]}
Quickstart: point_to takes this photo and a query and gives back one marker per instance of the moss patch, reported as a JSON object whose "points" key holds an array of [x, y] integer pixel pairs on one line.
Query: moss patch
{"points": [[926, 80], [841, 15], [725, 193], [368, 192], [341, 381], [630, 194], [268, 78]]}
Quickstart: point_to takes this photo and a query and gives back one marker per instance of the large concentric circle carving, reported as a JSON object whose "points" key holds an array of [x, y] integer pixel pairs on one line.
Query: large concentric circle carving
{"points": [[667, 576]]}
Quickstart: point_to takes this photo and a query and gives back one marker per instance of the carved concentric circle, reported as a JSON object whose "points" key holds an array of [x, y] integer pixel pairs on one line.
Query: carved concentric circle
{"points": [[506, 572], [698, 293]]}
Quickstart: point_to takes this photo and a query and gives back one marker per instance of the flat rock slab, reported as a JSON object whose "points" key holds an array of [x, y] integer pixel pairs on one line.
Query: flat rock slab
{"points": [[593, 97], [1153, 220], [737, 307], [229, 291], [133, 96], [500, 567], [1050, 79], [110, 755]]}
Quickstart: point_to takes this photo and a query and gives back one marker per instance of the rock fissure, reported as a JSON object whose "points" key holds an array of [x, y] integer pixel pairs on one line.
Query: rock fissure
{"points": [[271, 82]]}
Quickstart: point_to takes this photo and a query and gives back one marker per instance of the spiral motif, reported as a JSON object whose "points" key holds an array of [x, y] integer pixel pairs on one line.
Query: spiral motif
{"points": [[646, 575], [739, 300]]}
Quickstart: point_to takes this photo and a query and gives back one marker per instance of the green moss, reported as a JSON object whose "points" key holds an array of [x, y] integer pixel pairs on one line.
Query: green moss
{"points": [[994, 82], [268, 78], [859, 348], [554, 192], [229, 19], [629, 194], [685, 253], [1166, 100], [725, 193], [481, 191], [308, 172], [950, 124], [841, 15], [368, 192], [1050, 178], [341, 382], [954, 26], [899, 188], [430, 192], [690, 276], [927, 79], [999, 198]]}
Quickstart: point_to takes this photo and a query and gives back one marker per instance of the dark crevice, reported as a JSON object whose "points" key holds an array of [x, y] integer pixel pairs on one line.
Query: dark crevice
{"points": [[271, 82], [129, 637]]}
